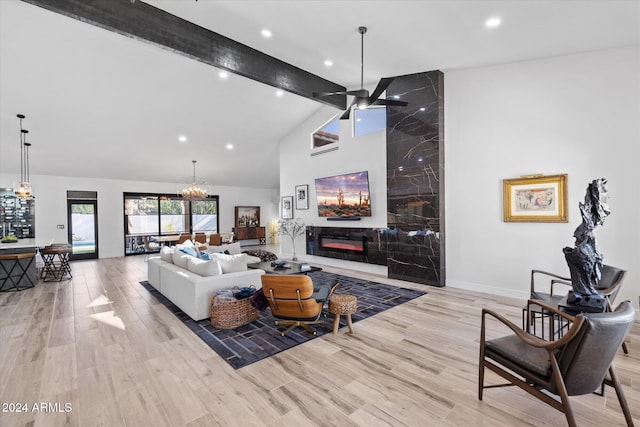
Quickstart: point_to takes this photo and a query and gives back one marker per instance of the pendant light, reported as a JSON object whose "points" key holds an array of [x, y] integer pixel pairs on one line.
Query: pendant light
{"points": [[196, 190], [24, 188]]}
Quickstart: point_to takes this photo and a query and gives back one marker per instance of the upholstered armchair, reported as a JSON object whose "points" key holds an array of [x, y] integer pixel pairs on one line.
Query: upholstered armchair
{"points": [[294, 301], [573, 365]]}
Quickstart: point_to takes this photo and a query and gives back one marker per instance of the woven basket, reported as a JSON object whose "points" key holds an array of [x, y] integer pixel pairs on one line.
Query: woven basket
{"points": [[227, 314]]}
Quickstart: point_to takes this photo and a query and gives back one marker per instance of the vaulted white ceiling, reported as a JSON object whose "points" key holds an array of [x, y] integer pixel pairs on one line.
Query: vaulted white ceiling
{"points": [[99, 104]]}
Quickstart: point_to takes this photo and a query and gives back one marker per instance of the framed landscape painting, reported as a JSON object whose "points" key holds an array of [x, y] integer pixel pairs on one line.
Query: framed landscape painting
{"points": [[535, 199]]}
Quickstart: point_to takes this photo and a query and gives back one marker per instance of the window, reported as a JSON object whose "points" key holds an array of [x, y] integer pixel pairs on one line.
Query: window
{"points": [[369, 120], [204, 215], [327, 135], [141, 214], [173, 215], [151, 215]]}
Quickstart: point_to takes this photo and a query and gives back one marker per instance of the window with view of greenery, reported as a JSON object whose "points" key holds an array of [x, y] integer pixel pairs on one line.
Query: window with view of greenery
{"points": [[148, 215]]}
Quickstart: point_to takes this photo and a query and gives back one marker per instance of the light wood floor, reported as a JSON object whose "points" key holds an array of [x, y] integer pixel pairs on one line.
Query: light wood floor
{"points": [[102, 344]]}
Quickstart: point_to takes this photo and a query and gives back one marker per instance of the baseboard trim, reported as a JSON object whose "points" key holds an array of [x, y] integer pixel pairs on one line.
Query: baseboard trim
{"points": [[477, 287]]}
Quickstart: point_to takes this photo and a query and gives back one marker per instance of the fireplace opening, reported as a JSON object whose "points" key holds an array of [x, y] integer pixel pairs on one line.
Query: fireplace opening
{"points": [[348, 244]]}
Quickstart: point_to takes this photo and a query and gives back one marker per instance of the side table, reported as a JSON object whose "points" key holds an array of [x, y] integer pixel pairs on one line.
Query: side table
{"points": [[56, 262], [342, 305]]}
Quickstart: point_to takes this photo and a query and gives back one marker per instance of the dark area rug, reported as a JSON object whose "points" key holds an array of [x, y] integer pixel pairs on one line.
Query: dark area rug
{"points": [[260, 339]]}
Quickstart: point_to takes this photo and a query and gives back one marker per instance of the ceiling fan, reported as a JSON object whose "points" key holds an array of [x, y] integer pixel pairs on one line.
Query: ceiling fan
{"points": [[362, 99]]}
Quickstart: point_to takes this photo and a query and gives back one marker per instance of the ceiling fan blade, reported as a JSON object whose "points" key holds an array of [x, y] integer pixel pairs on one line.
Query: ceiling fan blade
{"points": [[325, 94], [347, 113], [362, 93], [390, 102], [383, 84]]}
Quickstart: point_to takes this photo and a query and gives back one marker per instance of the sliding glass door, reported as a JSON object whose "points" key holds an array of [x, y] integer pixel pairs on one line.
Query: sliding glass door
{"points": [[150, 218]]}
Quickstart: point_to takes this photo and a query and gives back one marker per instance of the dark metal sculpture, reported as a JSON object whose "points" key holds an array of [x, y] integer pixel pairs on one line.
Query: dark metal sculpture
{"points": [[585, 261]]}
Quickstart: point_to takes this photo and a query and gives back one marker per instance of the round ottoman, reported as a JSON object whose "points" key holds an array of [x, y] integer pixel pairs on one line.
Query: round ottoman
{"points": [[342, 305]]}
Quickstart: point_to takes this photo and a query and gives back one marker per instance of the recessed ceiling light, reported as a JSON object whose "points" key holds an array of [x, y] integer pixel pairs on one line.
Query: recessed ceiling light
{"points": [[229, 146], [423, 109], [182, 138], [328, 63], [223, 74], [266, 33], [492, 22], [279, 93], [396, 96]]}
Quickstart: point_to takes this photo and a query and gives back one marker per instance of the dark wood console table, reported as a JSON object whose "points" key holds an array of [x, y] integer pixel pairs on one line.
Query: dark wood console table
{"points": [[248, 233]]}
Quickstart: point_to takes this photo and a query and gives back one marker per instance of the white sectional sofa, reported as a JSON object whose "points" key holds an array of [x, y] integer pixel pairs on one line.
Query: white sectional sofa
{"points": [[178, 278]]}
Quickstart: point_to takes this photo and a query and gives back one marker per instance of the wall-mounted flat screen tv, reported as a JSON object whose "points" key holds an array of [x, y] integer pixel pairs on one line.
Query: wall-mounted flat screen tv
{"points": [[344, 196]]}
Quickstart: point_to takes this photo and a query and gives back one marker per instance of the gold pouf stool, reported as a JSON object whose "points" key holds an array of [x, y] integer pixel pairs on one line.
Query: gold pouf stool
{"points": [[342, 304]]}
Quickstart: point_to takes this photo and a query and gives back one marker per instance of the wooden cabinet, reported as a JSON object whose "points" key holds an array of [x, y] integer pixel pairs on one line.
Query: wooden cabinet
{"points": [[249, 233]]}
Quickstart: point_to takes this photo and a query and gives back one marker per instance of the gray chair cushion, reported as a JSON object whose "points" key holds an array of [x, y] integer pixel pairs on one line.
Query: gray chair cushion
{"points": [[514, 350]]}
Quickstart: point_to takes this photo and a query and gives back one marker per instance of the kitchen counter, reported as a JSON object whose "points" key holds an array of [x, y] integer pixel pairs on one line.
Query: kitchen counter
{"points": [[26, 243]]}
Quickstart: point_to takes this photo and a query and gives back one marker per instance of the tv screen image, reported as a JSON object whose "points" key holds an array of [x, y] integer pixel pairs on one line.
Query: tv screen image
{"points": [[344, 196]]}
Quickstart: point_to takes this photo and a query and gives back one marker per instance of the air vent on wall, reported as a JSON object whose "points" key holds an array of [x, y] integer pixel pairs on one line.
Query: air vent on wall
{"points": [[317, 153]]}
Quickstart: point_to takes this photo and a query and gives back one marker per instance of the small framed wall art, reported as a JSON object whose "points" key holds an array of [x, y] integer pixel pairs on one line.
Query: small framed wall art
{"points": [[535, 198], [287, 207], [302, 197], [247, 216]]}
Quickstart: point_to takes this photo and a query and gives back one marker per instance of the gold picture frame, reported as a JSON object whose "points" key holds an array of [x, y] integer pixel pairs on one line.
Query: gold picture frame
{"points": [[535, 198]]}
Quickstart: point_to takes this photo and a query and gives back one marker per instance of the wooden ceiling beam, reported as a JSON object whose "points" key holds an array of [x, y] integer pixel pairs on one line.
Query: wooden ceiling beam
{"points": [[147, 23]]}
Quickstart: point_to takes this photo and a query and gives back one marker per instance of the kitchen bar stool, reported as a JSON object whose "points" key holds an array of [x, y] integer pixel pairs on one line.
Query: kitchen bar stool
{"points": [[56, 262], [16, 272]]}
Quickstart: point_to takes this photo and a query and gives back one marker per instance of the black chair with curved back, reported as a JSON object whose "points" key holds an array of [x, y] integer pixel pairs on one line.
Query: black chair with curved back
{"points": [[573, 365], [611, 279]]}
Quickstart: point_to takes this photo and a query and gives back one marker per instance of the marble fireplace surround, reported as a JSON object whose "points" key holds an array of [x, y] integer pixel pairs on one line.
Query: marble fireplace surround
{"points": [[413, 245]]}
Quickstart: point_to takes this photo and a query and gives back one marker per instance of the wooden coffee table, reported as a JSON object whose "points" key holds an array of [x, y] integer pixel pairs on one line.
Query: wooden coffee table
{"points": [[291, 268]]}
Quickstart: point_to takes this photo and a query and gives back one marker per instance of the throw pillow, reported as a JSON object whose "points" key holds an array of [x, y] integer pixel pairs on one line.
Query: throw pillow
{"points": [[203, 268], [180, 258], [231, 263], [166, 254], [233, 248], [205, 256], [190, 250]]}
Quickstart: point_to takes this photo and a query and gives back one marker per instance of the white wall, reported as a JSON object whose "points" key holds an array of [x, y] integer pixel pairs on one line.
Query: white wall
{"points": [[297, 167], [577, 114], [51, 205]]}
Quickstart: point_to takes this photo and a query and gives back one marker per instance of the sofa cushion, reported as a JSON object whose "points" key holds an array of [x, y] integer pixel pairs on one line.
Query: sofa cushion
{"points": [[180, 258], [233, 248], [166, 253], [231, 263], [252, 259], [204, 268]]}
